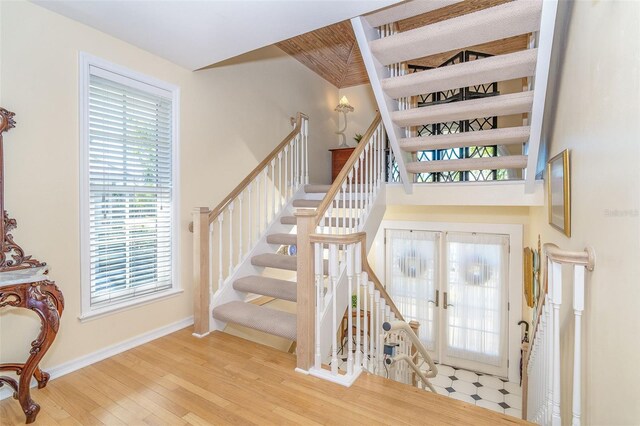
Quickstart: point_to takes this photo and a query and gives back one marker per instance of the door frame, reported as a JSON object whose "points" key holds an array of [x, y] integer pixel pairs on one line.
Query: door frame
{"points": [[515, 298]]}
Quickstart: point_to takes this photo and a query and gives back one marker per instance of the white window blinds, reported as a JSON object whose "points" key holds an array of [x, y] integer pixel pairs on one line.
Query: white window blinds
{"points": [[130, 188]]}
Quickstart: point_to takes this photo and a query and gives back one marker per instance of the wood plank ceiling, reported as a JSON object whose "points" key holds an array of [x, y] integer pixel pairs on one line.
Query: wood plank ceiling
{"points": [[332, 52]]}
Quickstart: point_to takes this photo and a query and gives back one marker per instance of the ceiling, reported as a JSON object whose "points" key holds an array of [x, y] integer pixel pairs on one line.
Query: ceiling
{"points": [[332, 52], [198, 33]]}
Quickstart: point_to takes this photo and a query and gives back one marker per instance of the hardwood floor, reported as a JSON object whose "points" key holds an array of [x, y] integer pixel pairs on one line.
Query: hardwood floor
{"points": [[222, 379]]}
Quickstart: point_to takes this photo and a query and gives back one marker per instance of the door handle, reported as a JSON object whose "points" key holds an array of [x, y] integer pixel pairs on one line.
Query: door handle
{"points": [[437, 299], [444, 301]]}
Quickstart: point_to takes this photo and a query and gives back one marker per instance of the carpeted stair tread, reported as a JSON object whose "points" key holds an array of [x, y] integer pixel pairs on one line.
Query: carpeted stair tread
{"points": [[465, 74], [279, 261], [487, 163], [504, 136], [259, 318], [494, 23], [272, 287], [306, 203], [274, 260], [282, 239], [316, 189], [514, 103], [291, 220]]}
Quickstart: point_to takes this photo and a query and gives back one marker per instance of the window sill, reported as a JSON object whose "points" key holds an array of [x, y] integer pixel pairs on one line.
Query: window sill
{"points": [[108, 310]]}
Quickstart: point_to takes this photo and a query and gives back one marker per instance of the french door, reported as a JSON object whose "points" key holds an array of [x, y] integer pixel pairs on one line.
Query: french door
{"points": [[455, 285]]}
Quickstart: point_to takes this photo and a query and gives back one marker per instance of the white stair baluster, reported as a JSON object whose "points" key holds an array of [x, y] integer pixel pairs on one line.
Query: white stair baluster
{"points": [[240, 224], [358, 271], [266, 199], [286, 172], [350, 187], [319, 282], [350, 274], [367, 177], [281, 195], [251, 213], [578, 307], [273, 189], [373, 331], [345, 226], [220, 274], [297, 156], [364, 286], [211, 260], [306, 150], [557, 301], [230, 238]]}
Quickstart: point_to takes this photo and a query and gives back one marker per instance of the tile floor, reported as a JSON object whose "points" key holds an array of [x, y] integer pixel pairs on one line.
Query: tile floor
{"points": [[479, 389]]}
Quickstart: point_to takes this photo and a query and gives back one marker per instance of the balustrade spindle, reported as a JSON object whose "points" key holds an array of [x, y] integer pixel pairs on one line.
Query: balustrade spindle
{"points": [[210, 260], [306, 151], [364, 288], [297, 169], [273, 189], [350, 274], [240, 223], [266, 200], [358, 267], [372, 327], [344, 226], [286, 170], [366, 177], [281, 196], [230, 239], [220, 274], [250, 190], [319, 281]]}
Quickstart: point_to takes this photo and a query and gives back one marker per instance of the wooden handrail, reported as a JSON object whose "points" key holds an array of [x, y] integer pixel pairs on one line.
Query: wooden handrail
{"points": [[342, 176], [587, 257], [359, 237], [256, 171]]}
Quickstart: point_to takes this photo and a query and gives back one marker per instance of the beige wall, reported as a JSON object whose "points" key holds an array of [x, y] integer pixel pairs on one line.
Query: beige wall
{"points": [[598, 108], [231, 117], [365, 108]]}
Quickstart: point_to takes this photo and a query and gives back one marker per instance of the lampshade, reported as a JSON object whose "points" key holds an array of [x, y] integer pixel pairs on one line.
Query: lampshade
{"points": [[343, 105]]}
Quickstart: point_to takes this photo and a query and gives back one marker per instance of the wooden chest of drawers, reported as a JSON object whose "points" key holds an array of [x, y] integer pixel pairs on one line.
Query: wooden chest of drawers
{"points": [[339, 157]]}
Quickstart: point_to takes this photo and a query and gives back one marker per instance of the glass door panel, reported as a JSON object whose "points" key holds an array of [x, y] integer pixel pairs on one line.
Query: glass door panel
{"points": [[475, 311], [412, 278]]}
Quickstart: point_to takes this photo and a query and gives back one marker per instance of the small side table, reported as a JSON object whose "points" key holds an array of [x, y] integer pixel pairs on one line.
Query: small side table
{"points": [[29, 289]]}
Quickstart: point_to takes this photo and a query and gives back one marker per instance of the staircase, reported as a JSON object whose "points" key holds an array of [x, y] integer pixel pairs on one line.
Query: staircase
{"points": [[386, 52], [263, 318]]}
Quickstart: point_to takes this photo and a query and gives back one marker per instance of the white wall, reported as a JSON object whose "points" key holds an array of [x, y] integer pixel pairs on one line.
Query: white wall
{"points": [[231, 117], [598, 108]]}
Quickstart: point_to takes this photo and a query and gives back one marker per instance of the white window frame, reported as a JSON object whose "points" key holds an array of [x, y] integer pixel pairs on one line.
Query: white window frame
{"points": [[140, 81], [515, 297]]}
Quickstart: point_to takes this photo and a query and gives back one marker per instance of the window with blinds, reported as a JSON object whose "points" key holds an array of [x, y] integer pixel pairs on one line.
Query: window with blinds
{"points": [[129, 192]]}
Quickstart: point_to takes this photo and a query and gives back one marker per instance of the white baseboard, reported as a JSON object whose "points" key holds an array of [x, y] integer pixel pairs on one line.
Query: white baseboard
{"points": [[109, 351]]}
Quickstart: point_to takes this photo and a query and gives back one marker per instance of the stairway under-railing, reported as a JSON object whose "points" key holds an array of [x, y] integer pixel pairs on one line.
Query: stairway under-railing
{"points": [[543, 373], [241, 219]]}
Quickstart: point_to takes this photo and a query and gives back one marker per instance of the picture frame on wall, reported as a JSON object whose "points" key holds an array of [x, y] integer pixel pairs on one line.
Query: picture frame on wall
{"points": [[559, 192]]}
